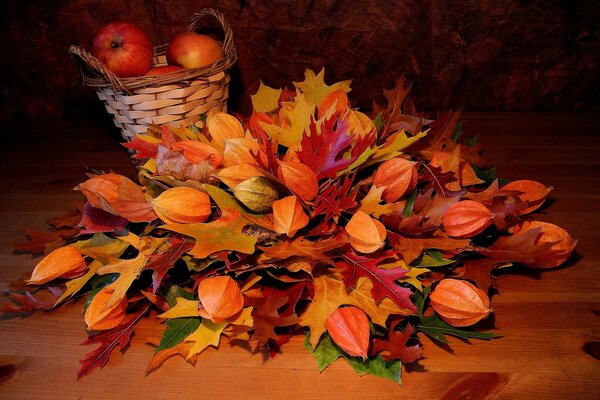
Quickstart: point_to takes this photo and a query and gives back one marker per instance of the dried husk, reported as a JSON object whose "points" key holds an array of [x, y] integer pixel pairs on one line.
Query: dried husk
{"points": [[398, 176], [299, 178], [288, 216], [533, 192], [64, 262], [366, 234], [98, 318], [349, 329], [220, 298], [466, 219], [257, 193], [560, 251], [459, 303], [182, 205]]}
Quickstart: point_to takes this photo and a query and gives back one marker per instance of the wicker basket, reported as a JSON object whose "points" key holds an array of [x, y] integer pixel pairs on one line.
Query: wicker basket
{"points": [[180, 97]]}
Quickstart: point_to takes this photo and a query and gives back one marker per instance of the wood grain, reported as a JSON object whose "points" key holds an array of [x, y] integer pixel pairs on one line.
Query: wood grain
{"points": [[550, 319]]}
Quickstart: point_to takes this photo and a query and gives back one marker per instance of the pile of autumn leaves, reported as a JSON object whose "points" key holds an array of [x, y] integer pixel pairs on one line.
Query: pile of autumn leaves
{"points": [[307, 214]]}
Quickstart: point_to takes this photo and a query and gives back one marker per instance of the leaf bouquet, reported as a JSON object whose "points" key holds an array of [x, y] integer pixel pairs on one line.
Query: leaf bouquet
{"points": [[361, 232]]}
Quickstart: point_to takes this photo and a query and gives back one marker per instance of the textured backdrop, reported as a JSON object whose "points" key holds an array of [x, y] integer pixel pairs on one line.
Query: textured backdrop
{"points": [[480, 54]]}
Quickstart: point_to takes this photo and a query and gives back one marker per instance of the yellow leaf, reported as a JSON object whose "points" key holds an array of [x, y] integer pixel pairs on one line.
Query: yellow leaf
{"points": [[74, 285], [371, 203], [294, 119], [411, 277], [101, 247], [207, 334], [393, 147], [266, 99], [183, 308], [315, 89]]}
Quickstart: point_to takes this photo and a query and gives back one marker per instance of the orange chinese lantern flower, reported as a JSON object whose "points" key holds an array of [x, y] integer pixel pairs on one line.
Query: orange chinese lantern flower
{"points": [[366, 234], [398, 176], [560, 251], [466, 219], [183, 205], [299, 178], [220, 298], [223, 126], [459, 302], [532, 191], [288, 216], [196, 152], [64, 262], [349, 329], [98, 318]]}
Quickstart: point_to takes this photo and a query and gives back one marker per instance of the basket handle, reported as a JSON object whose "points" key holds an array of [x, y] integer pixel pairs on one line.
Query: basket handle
{"points": [[92, 63], [228, 44]]}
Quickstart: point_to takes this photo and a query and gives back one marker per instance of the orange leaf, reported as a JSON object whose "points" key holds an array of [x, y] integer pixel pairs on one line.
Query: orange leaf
{"points": [[299, 178], [462, 170], [349, 329], [366, 234], [118, 195], [220, 297], [397, 176], [531, 191], [288, 216], [64, 262], [182, 205], [562, 244], [196, 152], [459, 302], [100, 319], [466, 219]]}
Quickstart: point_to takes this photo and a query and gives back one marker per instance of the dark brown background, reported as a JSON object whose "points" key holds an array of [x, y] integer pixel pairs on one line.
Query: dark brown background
{"points": [[480, 54]]}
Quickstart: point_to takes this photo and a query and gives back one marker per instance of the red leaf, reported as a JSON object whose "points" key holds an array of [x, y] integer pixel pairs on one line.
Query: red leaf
{"points": [[143, 148], [355, 266], [161, 263], [96, 220], [335, 197], [109, 340], [395, 347]]}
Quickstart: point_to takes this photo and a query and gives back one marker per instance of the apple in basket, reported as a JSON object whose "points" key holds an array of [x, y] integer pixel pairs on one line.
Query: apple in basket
{"points": [[124, 48], [163, 69], [193, 50]]}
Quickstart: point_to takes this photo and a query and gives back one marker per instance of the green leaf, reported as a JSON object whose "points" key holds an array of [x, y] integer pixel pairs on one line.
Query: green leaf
{"points": [[177, 330], [432, 259], [488, 175], [437, 329], [98, 284], [326, 352], [457, 132], [419, 299], [378, 122], [410, 203], [175, 292]]}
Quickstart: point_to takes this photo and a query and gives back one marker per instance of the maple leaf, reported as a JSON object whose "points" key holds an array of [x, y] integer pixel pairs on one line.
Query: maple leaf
{"points": [[182, 349], [372, 203], [266, 99], [314, 251], [294, 117], [392, 114], [480, 271], [411, 248], [266, 317], [315, 89], [225, 233], [335, 197], [395, 348], [161, 263], [27, 299], [40, 242], [355, 266], [331, 293], [109, 340]]}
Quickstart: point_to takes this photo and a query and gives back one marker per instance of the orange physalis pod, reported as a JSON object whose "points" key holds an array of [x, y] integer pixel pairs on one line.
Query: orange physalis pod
{"points": [[196, 152], [183, 205], [532, 192], [288, 216], [349, 329], [366, 234], [98, 318], [242, 151], [398, 176], [220, 298], [459, 302], [118, 195], [236, 174], [299, 178], [560, 251], [223, 126], [334, 103], [466, 219], [64, 262]]}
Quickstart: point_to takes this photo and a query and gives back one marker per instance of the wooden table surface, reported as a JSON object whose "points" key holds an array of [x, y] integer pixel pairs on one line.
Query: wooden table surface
{"points": [[549, 319]]}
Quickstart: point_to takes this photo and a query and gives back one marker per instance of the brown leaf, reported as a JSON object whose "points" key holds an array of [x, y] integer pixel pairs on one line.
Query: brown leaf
{"points": [[349, 329], [459, 303], [182, 205], [220, 298], [64, 262], [288, 216], [395, 348], [410, 248]]}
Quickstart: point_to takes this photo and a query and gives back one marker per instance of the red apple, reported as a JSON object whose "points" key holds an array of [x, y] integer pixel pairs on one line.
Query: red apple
{"points": [[124, 48], [193, 50], [163, 69]]}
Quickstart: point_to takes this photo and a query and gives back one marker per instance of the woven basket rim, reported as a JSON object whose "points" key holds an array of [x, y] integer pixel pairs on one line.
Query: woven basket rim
{"points": [[95, 74]]}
